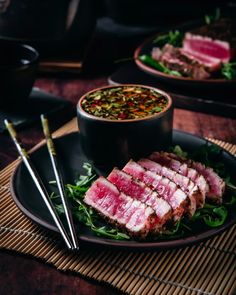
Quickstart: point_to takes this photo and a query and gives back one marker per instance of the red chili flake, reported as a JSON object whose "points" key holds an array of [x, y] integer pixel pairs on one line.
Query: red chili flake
{"points": [[130, 103], [122, 116]]}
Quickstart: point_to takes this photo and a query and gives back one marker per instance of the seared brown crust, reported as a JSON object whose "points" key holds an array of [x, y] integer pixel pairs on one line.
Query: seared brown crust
{"points": [[211, 177], [177, 60], [224, 29], [124, 212], [139, 235], [171, 161], [143, 193]]}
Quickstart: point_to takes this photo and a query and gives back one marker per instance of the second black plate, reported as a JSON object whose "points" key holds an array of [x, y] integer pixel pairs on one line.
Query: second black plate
{"points": [[213, 85]]}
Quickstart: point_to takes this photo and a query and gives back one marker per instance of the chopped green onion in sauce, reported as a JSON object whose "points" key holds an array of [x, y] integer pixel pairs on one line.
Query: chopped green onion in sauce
{"points": [[124, 103]]}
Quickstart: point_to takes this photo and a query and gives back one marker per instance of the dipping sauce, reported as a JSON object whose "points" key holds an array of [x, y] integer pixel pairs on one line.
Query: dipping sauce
{"points": [[124, 103]]}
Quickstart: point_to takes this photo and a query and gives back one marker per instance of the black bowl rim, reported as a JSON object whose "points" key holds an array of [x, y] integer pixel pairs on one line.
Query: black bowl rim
{"points": [[150, 117], [29, 48]]}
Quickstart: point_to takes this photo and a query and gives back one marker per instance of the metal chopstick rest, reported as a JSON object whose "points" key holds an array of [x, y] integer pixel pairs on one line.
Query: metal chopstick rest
{"points": [[38, 182], [59, 180]]}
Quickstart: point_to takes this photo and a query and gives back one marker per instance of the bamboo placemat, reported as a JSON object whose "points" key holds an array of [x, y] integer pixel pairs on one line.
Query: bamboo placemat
{"points": [[206, 268]]}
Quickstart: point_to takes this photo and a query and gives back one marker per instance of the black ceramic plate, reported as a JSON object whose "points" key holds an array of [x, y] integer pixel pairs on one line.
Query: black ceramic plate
{"points": [[29, 201], [212, 84]]}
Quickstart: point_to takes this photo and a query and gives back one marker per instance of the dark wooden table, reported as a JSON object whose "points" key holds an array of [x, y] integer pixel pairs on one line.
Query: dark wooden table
{"points": [[24, 275]]}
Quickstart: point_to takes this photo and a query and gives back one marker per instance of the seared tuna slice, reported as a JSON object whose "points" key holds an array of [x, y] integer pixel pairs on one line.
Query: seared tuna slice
{"points": [[165, 188], [178, 60], [211, 64], [206, 46], [182, 168], [129, 214], [144, 194], [215, 182], [190, 189]]}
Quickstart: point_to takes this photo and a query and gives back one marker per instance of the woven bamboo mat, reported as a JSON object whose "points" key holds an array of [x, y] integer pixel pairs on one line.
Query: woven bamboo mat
{"points": [[206, 268]]}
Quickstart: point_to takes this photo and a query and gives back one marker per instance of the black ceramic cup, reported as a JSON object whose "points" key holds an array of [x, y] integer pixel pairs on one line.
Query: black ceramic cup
{"points": [[18, 66], [108, 143]]}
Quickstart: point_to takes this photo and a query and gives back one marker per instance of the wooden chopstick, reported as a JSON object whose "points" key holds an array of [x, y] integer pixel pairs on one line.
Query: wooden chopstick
{"points": [[61, 66], [59, 180], [38, 182]]}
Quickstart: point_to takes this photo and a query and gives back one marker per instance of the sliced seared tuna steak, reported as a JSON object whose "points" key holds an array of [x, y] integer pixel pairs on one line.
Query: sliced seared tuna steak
{"points": [[215, 182], [178, 60], [138, 190], [167, 160], [175, 198], [137, 218], [190, 189], [210, 63], [206, 46], [167, 190]]}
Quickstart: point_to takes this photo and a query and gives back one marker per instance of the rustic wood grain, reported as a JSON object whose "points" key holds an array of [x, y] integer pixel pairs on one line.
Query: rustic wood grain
{"points": [[206, 125], [20, 275]]}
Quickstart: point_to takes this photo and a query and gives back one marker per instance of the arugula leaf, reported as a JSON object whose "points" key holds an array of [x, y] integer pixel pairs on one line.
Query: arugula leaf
{"points": [[213, 216], [232, 200], [175, 231], [228, 70], [212, 18], [209, 155], [229, 184], [179, 152], [174, 38]]}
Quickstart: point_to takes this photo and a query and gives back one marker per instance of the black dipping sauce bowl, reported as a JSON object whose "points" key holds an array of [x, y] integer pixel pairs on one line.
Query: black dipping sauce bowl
{"points": [[109, 143], [18, 66]]}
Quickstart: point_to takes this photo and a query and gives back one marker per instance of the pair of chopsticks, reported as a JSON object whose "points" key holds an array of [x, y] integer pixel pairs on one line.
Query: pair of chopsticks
{"points": [[71, 241]]}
